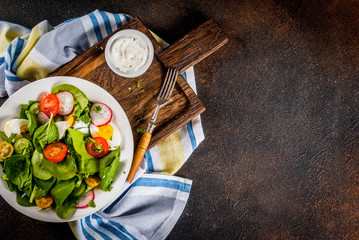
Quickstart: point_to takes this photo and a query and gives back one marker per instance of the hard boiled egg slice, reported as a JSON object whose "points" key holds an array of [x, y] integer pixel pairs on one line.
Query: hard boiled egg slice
{"points": [[116, 137], [14, 126], [110, 132], [105, 131]]}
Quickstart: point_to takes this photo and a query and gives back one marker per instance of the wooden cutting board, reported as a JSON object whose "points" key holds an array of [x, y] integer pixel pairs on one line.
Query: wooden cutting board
{"points": [[138, 96]]}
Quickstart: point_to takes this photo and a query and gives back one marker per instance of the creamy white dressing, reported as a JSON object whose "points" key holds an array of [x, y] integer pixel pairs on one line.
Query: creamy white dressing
{"points": [[62, 126], [81, 126], [129, 53]]}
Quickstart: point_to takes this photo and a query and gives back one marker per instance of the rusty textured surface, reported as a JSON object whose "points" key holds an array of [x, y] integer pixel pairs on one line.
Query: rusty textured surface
{"points": [[280, 159]]}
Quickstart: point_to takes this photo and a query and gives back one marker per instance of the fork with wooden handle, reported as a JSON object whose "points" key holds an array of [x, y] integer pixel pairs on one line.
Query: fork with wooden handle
{"points": [[163, 97]]}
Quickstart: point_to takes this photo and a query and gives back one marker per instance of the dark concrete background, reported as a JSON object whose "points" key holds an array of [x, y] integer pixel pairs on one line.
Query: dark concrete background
{"points": [[280, 159]]}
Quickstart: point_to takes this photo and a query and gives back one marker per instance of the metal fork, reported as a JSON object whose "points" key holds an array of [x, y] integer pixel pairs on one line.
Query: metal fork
{"points": [[163, 98]]}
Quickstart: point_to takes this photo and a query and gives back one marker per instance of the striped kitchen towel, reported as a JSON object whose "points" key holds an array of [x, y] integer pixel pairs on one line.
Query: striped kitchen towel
{"points": [[150, 207]]}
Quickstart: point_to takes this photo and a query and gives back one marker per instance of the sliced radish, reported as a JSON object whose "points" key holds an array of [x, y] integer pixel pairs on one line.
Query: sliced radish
{"points": [[43, 118], [100, 114], [85, 199], [66, 102]]}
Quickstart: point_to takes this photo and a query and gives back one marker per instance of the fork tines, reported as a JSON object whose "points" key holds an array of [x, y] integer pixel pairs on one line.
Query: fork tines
{"points": [[168, 85]]}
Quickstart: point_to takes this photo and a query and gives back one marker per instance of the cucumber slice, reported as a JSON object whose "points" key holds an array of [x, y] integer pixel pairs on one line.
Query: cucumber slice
{"points": [[35, 108], [37, 169], [23, 146]]}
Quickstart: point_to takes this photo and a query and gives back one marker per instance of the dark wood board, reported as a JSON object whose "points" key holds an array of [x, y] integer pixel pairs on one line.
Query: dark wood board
{"points": [[139, 103], [194, 46]]}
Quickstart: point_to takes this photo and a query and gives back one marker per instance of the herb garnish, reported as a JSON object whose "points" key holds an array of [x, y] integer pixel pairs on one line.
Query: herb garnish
{"points": [[97, 108], [139, 118], [140, 130], [92, 204], [97, 148]]}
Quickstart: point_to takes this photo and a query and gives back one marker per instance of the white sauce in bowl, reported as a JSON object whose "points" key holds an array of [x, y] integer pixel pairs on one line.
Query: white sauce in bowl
{"points": [[129, 53]]}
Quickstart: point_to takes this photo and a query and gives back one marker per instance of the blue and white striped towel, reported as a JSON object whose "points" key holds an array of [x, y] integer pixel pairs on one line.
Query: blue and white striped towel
{"points": [[150, 207]]}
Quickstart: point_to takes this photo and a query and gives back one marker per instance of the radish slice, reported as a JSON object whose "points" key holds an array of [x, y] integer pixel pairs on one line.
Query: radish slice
{"points": [[100, 114], [43, 118], [85, 199], [66, 102]]}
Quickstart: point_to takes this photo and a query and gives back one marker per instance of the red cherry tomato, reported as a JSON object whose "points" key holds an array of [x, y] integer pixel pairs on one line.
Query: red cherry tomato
{"points": [[49, 104], [98, 149], [55, 152]]}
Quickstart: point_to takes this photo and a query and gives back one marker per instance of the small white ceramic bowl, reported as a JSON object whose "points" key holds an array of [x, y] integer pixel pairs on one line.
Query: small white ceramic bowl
{"points": [[124, 33]]}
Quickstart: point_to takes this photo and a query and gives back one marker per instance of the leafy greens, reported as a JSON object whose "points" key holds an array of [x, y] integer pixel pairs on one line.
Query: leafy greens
{"points": [[31, 175], [46, 134]]}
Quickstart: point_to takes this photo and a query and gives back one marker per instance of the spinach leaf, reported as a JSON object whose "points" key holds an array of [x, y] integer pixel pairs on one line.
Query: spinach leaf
{"points": [[79, 190], [7, 139], [63, 170], [79, 143], [88, 166], [33, 123], [36, 192], [18, 170], [107, 174], [62, 190], [47, 133], [86, 163], [45, 184], [79, 181], [108, 159], [38, 169], [68, 142], [64, 210], [23, 200], [23, 108], [81, 100], [12, 187], [85, 116]]}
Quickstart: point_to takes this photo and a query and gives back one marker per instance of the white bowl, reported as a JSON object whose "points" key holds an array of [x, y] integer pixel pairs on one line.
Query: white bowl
{"points": [[123, 33]]}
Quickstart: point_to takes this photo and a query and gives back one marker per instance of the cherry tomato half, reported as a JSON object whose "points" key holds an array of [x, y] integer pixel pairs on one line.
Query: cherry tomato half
{"points": [[44, 202], [98, 149], [55, 152], [93, 181], [6, 150], [49, 104]]}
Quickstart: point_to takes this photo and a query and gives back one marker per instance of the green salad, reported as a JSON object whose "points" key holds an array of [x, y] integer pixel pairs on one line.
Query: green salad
{"points": [[58, 150]]}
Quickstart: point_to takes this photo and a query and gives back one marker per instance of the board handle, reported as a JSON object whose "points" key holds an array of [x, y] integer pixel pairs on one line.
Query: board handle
{"points": [[194, 47], [139, 154]]}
